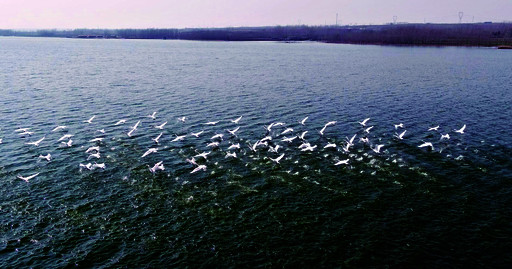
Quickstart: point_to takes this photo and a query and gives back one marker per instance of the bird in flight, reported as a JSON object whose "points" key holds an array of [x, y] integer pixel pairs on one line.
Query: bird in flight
{"points": [[149, 151], [326, 125], [36, 143], [199, 168], [303, 121], [341, 162], [48, 157], [161, 126], [90, 120], [152, 116], [60, 127], [26, 179], [401, 135], [364, 121], [426, 144], [461, 130], [377, 148], [433, 128], [276, 160], [236, 120]]}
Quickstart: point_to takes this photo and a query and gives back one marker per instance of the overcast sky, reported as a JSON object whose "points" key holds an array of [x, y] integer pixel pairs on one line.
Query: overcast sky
{"points": [[67, 14]]}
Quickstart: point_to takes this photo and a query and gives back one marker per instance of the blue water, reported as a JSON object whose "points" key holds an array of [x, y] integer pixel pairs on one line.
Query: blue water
{"points": [[403, 207]]}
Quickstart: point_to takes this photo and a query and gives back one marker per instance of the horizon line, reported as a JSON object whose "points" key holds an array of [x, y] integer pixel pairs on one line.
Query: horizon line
{"points": [[261, 26]]}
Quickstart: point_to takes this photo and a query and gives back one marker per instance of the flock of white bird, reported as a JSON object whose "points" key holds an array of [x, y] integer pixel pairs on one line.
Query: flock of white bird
{"points": [[277, 136]]}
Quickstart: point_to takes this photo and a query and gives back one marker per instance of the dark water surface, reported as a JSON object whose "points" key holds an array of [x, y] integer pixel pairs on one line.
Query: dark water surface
{"points": [[403, 207]]}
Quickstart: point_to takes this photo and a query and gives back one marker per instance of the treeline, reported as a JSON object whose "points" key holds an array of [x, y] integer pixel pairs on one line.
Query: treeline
{"points": [[477, 34]]}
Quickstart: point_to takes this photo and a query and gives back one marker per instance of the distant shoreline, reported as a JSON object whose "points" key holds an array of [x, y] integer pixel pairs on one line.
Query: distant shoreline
{"points": [[474, 34]]}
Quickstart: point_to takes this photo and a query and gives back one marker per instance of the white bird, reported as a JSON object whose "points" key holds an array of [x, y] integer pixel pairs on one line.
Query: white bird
{"points": [[325, 126], [94, 155], [48, 157], [287, 131], [22, 130], [346, 148], [149, 151], [26, 133], [289, 139], [182, 119], [234, 146], [309, 148], [120, 122], [0, 140], [87, 166], [273, 149], [237, 120], [303, 121], [367, 130], [26, 179], [279, 124], [401, 135], [90, 120], [97, 149], [269, 127], [60, 127], [211, 123], [157, 138], [400, 125], [445, 136], [433, 128], [266, 138], [364, 140], [36, 143], [153, 116], [131, 132], [68, 144], [351, 140], [197, 134], [178, 138], [133, 128], [232, 132], [192, 161], [204, 154], [156, 167], [233, 155], [97, 139], [461, 130], [66, 136], [213, 144], [364, 121], [342, 162], [257, 143], [217, 136], [101, 131], [330, 145], [161, 126], [276, 160], [136, 125], [98, 165], [301, 136], [377, 148], [426, 144], [200, 167], [304, 145]]}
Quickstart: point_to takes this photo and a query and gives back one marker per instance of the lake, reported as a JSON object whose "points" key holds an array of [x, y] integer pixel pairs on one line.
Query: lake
{"points": [[449, 205]]}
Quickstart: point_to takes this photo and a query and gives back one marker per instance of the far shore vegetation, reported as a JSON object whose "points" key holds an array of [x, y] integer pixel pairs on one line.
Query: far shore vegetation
{"points": [[465, 34]]}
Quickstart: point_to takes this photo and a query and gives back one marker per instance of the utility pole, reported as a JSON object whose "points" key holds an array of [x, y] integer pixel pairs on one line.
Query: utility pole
{"points": [[461, 14], [336, 19]]}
